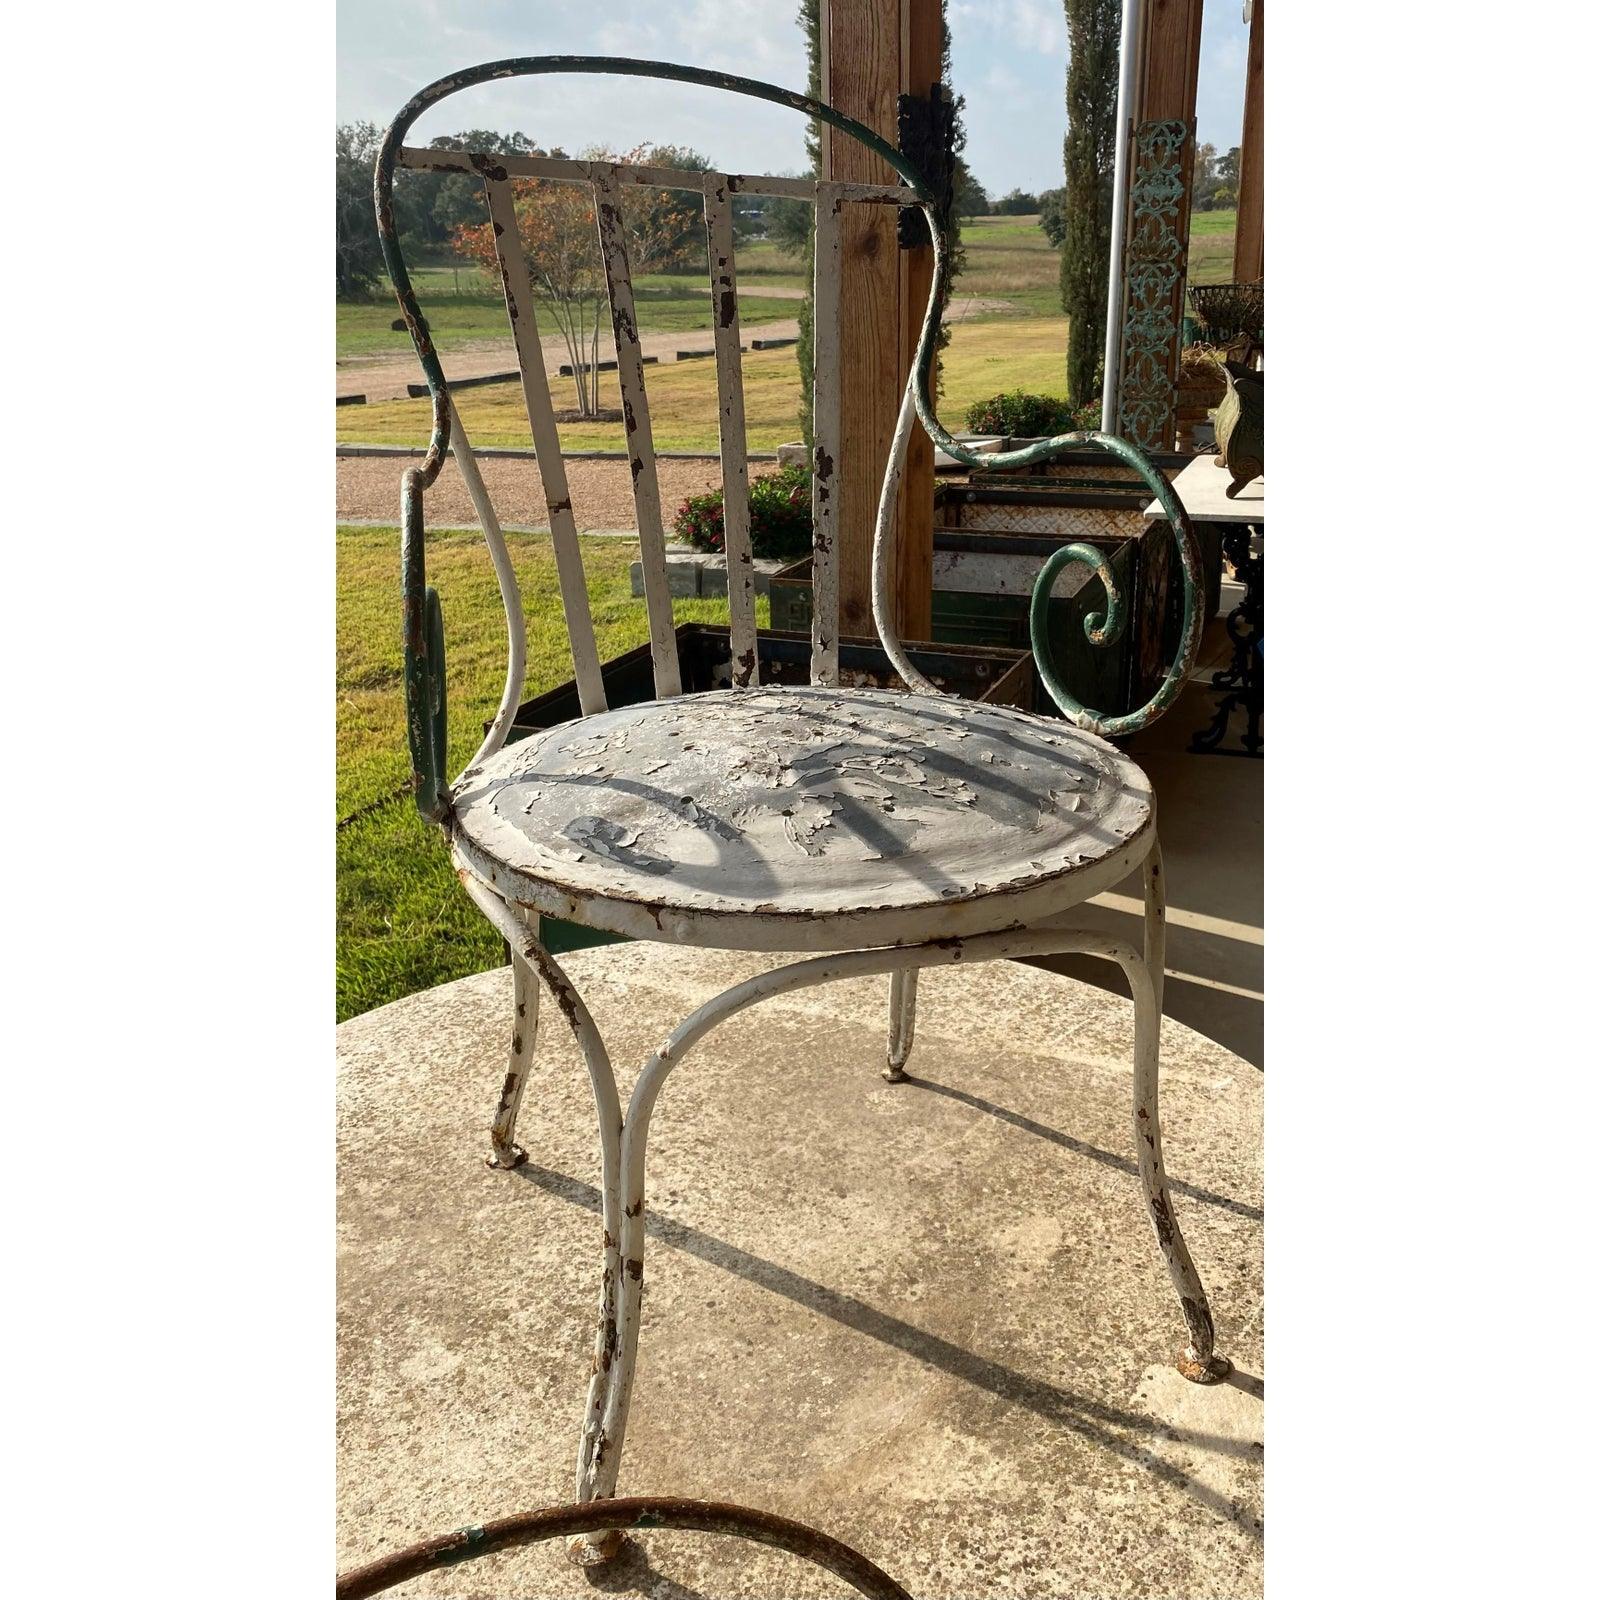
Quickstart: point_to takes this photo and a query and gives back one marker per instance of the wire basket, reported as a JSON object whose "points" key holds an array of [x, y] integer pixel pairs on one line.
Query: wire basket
{"points": [[1229, 311]]}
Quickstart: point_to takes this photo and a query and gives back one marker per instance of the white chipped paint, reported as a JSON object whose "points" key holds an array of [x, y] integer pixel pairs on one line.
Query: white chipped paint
{"points": [[731, 436], [802, 803], [566, 171], [506, 577], [547, 445], [641, 446], [624, 1137], [826, 443]]}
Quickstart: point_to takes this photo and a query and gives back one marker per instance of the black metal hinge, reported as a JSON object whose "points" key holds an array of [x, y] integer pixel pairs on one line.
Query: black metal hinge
{"points": [[927, 140]]}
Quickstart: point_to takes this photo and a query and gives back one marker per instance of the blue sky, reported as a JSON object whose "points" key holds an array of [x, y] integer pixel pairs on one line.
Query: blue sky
{"points": [[1008, 58]]}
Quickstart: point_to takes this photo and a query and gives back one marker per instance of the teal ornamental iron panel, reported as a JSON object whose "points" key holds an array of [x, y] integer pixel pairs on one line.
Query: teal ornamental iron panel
{"points": [[1153, 301]]}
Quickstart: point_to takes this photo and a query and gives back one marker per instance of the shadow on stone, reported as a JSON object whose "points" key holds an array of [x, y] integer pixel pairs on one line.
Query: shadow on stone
{"points": [[1090, 1419], [1077, 1146]]}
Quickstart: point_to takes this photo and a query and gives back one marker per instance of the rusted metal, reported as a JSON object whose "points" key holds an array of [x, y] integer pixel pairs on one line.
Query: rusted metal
{"points": [[826, 440], [637, 1514], [902, 1023], [731, 433], [888, 832], [804, 818], [505, 1152], [520, 308], [636, 421], [624, 1136], [920, 190]]}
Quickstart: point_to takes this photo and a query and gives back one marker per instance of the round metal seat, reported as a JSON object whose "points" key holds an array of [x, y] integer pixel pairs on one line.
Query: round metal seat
{"points": [[816, 817]]}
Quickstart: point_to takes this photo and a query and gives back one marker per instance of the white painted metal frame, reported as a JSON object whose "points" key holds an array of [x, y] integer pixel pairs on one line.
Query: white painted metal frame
{"points": [[624, 1134], [1035, 918]]}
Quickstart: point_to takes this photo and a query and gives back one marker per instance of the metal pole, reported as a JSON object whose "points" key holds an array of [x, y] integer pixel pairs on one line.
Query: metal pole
{"points": [[1128, 66]]}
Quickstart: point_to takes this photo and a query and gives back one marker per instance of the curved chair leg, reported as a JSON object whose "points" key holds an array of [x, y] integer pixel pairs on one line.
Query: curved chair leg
{"points": [[902, 1022], [623, 1144], [506, 1153], [1198, 1362], [598, 1452]]}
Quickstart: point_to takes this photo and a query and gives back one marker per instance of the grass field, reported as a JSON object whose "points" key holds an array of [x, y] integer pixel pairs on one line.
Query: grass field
{"points": [[1008, 258], [985, 355], [403, 922], [462, 304], [1211, 246]]}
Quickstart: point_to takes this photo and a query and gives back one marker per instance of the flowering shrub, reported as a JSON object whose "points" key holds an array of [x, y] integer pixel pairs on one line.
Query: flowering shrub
{"points": [[780, 516], [1030, 416]]}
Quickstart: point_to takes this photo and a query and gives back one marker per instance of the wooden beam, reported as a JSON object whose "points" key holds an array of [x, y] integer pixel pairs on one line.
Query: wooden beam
{"points": [[1169, 73], [872, 50], [921, 53], [1248, 238]]}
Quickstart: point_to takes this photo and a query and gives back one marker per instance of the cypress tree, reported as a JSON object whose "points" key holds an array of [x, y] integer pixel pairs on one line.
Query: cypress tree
{"points": [[1089, 155]]}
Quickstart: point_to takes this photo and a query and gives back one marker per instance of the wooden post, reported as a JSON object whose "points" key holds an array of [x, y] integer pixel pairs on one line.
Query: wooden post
{"points": [[1247, 239], [1169, 73], [872, 52]]}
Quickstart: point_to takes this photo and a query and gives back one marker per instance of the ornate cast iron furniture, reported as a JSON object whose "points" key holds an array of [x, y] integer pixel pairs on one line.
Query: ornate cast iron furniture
{"points": [[867, 830]]}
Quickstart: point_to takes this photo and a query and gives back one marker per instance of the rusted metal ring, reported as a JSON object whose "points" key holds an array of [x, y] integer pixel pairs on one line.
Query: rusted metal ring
{"points": [[640, 1511]]}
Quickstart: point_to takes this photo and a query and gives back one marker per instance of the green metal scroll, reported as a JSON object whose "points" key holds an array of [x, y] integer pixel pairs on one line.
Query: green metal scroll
{"points": [[423, 636]]}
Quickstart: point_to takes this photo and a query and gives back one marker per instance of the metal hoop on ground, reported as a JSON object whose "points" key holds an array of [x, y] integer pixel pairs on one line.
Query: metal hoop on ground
{"points": [[599, 1516]]}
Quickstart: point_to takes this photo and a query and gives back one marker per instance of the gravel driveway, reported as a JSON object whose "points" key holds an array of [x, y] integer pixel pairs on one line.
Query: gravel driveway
{"points": [[602, 491]]}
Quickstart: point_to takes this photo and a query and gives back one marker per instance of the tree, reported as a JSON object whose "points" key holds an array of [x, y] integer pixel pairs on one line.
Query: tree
{"points": [[1204, 182], [971, 198], [1019, 203], [1089, 157], [1228, 168], [557, 231], [431, 206], [789, 222], [1053, 215], [358, 254]]}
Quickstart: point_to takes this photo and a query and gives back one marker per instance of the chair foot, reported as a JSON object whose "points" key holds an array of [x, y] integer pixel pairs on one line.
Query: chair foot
{"points": [[1212, 1370], [505, 1159], [902, 1023], [596, 1549]]}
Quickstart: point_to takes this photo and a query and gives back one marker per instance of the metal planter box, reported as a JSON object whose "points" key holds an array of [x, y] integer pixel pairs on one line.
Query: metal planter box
{"points": [[981, 588], [995, 676], [994, 531]]}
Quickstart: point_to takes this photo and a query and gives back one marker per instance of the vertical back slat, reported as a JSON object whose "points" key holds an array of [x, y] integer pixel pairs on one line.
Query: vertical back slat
{"points": [[641, 448], [506, 576], [547, 445], [825, 442], [731, 432]]}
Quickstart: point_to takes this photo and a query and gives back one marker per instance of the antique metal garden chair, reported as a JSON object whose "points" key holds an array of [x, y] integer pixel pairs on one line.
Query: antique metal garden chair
{"points": [[870, 831]]}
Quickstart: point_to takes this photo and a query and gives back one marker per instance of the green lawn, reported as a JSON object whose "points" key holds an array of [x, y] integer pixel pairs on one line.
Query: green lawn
{"points": [[1009, 258], [403, 922], [462, 304], [984, 356], [1211, 246]]}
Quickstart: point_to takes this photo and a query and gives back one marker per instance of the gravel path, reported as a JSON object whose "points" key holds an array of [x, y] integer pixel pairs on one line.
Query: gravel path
{"points": [[602, 491]]}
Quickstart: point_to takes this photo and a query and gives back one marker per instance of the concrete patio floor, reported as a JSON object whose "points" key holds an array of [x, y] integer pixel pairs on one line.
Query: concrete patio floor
{"points": [[929, 1318], [1209, 813]]}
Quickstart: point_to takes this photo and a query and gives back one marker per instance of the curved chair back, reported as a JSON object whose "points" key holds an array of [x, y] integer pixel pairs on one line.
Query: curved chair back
{"points": [[605, 182]]}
